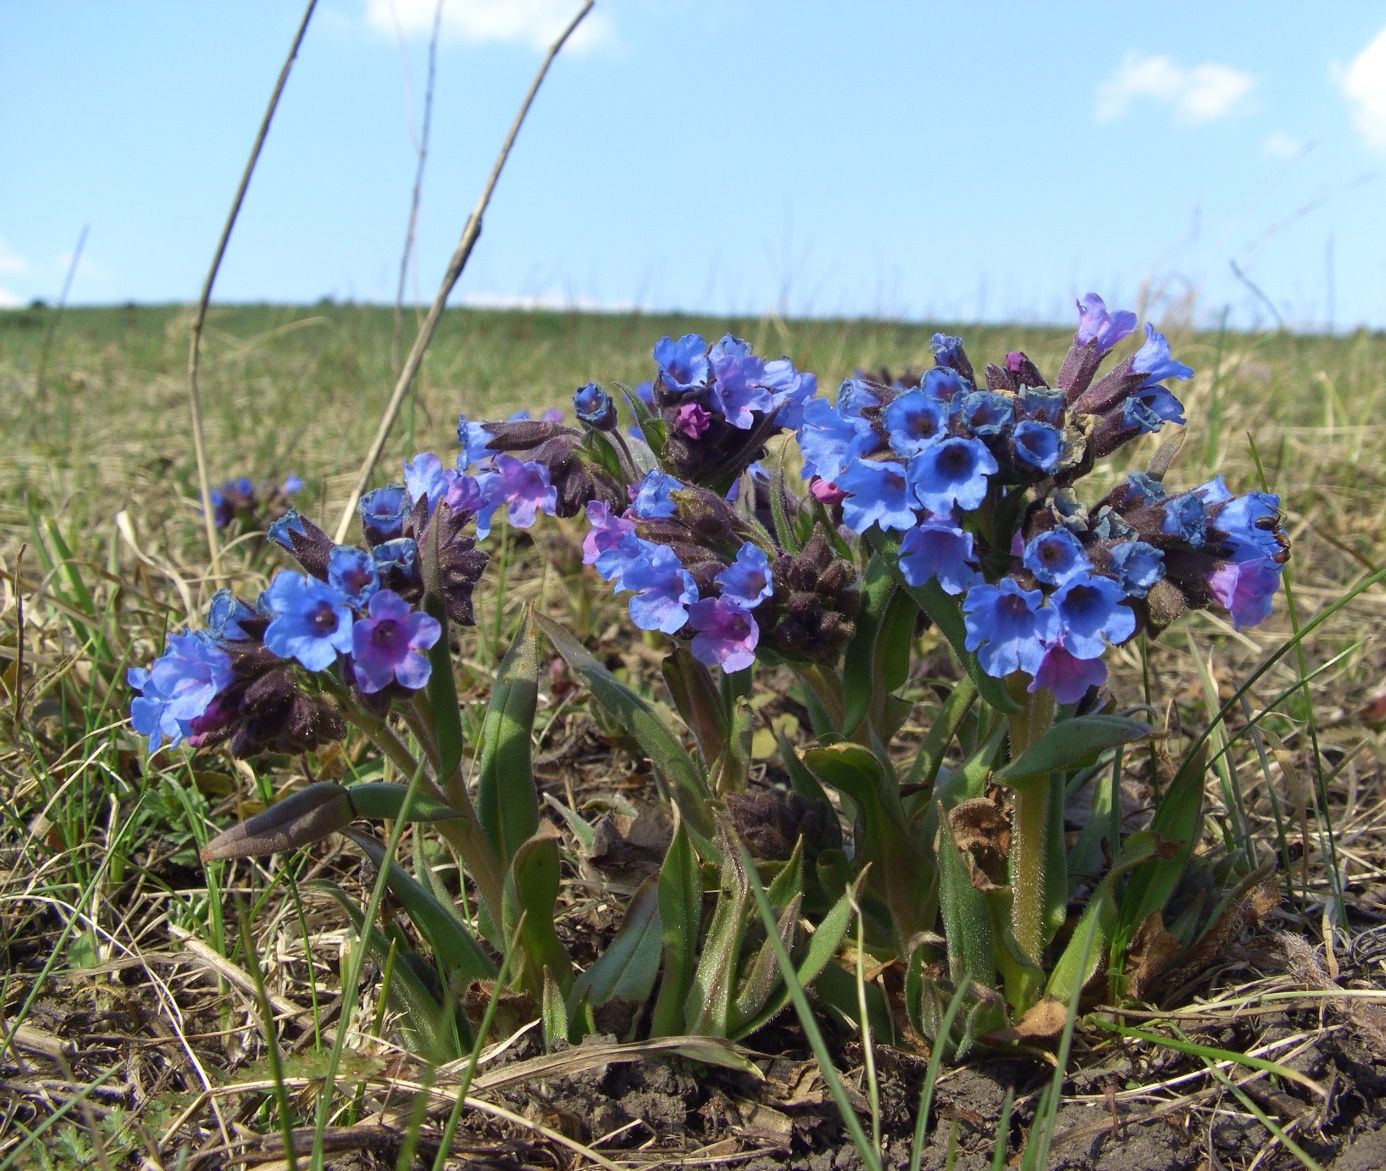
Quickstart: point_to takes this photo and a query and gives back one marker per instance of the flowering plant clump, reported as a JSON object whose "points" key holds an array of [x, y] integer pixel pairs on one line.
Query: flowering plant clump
{"points": [[238, 501], [945, 507]]}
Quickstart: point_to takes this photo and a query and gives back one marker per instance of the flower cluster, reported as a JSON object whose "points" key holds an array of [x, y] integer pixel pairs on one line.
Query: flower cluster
{"points": [[718, 405], [978, 482], [350, 627], [698, 569], [238, 500]]}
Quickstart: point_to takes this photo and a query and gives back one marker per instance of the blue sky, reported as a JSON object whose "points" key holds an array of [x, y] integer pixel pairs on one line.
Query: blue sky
{"points": [[987, 161]]}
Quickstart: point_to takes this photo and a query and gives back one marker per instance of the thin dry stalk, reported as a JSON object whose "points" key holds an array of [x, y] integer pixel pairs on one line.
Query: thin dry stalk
{"points": [[414, 201], [470, 233], [204, 482]]}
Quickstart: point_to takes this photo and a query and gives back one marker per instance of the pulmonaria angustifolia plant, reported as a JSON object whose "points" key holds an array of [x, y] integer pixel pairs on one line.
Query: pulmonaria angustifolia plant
{"points": [[945, 509]]}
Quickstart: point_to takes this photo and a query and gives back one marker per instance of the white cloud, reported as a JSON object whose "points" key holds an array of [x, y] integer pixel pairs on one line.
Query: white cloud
{"points": [[548, 299], [9, 300], [1285, 146], [1195, 94], [535, 23], [11, 263], [1363, 83]]}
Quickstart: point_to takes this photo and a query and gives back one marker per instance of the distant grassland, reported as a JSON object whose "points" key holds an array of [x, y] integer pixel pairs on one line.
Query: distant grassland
{"points": [[97, 423]]}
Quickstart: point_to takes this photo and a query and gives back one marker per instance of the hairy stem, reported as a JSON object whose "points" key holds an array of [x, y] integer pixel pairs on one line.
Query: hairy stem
{"points": [[1030, 824]]}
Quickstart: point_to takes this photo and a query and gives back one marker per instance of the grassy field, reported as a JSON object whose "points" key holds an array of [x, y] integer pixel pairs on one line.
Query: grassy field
{"points": [[132, 1022]]}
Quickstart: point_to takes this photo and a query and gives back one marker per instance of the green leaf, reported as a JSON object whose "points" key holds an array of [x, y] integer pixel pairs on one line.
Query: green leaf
{"points": [[688, 784], [455, 949], [822, 946], [301, 818], [698, 702], [443, 707], [949, 718], [946, 613], [384, 800], [901, 870], [861, 681], [785, 536], [531, 891], [553, 1012], [507, 802], [1178, 819], [707, 1008], [626, 970], [1087, 948], [966, 919], [1071, 743], [681, 920]]}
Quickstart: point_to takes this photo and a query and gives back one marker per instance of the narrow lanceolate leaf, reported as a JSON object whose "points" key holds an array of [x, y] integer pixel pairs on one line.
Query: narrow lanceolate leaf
{"points": [[507, 802], [531, 894], [1178, 819], [708, 1006], [384, 800], [822, 946], [442, 688], [681, 918], [1071, 743], [946, 613], [299, 819], [687, 782], [762, 972], [966, 918], [454, 947], [626, 970]]}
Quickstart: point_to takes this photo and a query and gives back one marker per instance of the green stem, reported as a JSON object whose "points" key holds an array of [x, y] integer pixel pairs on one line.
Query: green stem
{"points": [[1030, 822], [463, 833]]}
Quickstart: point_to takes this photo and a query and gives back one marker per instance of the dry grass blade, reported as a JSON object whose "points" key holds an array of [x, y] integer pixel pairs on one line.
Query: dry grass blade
{"points": [[200, 319]]}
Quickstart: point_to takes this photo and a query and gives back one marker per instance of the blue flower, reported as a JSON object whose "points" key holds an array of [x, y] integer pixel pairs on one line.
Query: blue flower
{"points": [[953, 472], [473, 439], [1250, 523], [1136, 566], [280, 529], [522, 486], [399, 557], [654, 496], [390, 645], [747, 580], [877, 493], [311, 621], [1186, 517], [1159, 402], [426, 478], [985, 412], [1042, 404], [177, 688], [1038, 444], [1067, 676], [1246, 589], [938, 550], [594, 407], [1055, 556], [611, 543], [945, 385], [1153, 359], [828, 439], [1095, 324], [683, 364], [789, 390], [352, 573], [854, 396], [914, 421], [663, 589], [383, 512], [726, 635], [738, 387], [225, 615], [1091, 610], [1008, 627]]}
